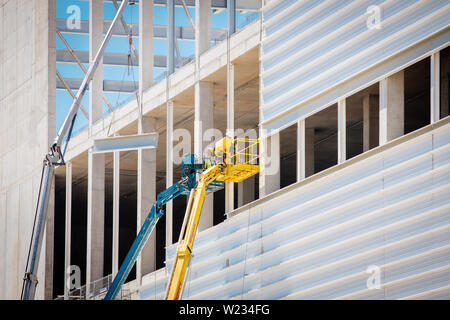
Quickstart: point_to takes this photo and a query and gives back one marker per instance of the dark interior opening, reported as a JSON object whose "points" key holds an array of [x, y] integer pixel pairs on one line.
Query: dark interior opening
{"points": [[362, 121], [78, 232], [321, 140], [288, 156], [417, 95]]}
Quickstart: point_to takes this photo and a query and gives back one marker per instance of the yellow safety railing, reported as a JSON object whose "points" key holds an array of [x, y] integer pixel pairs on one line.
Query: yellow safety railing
{"points": [[236, 151], [246, 151]]}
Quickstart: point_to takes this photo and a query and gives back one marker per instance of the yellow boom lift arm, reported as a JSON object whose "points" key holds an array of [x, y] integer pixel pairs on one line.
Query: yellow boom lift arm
{"points": [[233, 160]]}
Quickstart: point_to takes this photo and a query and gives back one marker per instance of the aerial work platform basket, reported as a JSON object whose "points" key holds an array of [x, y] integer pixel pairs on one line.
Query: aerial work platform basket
{"points": [[239, 156]]}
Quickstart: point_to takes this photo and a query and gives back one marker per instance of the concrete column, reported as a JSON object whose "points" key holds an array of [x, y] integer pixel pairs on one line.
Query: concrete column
{"points": [[202, 26], [170, 36], [229, 186], [204, 100], [392, 104], [204, 120], [231, 7], [309, 152], [146, 195], [95, 40], [269, 176], [68, 229], [95, 218], [435, 87], [169, 171], [146, 173], [370, 122], [246, 191], [342, 135], [301, 150], [116, 203], [146, 52]]}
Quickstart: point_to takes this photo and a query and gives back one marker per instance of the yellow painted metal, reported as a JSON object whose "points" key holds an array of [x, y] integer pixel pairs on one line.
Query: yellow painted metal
{"points": [[187, 242], [239, 158], [232, 160]]}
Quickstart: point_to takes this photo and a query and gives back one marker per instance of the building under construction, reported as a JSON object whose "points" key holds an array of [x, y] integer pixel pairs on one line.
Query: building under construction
{"points": [[339, 110]]}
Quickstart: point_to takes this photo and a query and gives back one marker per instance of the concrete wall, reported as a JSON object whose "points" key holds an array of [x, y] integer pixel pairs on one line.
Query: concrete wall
{"points": [[27, 126]]}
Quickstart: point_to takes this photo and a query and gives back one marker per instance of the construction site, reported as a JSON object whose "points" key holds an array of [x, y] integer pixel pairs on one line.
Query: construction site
{"points": [[224, 149]]}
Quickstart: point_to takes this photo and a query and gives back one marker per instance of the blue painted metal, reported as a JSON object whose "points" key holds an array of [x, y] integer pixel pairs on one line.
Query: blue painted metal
{"points": [[189, 167], [156, 212]]}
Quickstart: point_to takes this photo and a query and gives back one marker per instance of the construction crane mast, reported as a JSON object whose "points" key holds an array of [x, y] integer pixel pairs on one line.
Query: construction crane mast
{"points": [[53, 159], [232, 160]]}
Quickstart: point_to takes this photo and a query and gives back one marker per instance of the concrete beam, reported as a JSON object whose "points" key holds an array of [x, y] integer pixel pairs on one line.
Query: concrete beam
{"points": [[113, 59], [159, 32], [247, 5], [124, 143], [392, 104], [108, 85]]}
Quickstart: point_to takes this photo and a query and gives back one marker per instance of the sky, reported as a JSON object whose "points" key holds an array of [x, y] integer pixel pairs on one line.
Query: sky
{"points": [[120, 45]]}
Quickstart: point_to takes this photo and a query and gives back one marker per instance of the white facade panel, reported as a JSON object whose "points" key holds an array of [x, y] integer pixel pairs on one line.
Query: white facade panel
{"points": [[388, 208], [312, 47]]}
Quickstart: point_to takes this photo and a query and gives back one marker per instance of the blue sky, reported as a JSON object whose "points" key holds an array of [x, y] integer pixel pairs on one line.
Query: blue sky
{"points": [[120, 45]]}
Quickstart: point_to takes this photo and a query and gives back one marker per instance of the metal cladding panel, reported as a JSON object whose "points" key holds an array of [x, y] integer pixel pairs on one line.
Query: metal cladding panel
{"points": [[312, 47], [317, 239]]}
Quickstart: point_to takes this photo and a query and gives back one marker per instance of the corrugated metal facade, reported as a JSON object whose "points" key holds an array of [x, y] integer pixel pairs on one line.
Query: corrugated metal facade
{"points": [[314, 52], [387, 209]]}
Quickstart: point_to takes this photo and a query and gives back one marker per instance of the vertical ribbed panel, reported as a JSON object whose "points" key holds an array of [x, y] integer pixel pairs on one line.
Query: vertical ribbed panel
{"points": [[311, 46], [389, 209]]}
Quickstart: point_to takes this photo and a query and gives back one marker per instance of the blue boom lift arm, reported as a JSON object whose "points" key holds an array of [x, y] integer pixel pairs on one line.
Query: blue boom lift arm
{"points": [[189, 168], [182, 187]]}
